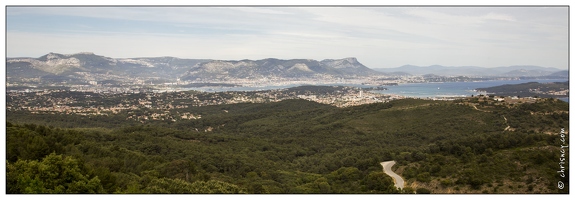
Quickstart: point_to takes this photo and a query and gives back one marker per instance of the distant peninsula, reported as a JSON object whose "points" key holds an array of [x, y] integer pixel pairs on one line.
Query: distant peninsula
{"points": [[546, 90]]}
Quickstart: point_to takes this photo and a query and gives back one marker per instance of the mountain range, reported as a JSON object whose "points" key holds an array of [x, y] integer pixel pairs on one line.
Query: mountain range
{"points": [[271, 67], [81, 68], [474, 71], [88, 66]]}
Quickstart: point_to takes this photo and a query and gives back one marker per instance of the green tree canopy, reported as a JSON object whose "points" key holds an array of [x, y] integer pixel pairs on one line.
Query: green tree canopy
{"points": [[54, 174]]}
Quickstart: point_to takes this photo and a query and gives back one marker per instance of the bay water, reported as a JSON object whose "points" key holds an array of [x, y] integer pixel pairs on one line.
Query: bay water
{"points": [[415, 90], [452, 89]]}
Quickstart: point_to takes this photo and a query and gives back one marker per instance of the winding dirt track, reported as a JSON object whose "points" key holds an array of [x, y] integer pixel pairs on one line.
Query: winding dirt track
{"points": [[396, 178]]}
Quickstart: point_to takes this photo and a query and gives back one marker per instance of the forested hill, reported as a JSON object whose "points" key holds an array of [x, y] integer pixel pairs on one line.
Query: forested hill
{"points": [[294, 146], [554, 89]]}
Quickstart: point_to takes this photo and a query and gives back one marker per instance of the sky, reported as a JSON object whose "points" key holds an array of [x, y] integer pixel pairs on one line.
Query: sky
{"points": [[378, 36]]}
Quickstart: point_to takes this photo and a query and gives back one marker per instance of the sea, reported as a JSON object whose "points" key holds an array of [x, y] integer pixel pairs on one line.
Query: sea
{"points": [[414, 90], [452, 89]]}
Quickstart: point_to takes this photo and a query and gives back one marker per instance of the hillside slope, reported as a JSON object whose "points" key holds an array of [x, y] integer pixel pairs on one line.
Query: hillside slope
{"points": [[298, 146]]}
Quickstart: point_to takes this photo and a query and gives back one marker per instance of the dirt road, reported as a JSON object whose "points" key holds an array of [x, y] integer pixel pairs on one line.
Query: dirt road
{"points": [[396, 178]]}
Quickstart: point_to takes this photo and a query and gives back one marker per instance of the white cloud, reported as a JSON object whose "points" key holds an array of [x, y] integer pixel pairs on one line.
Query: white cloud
{"points": [[495, 16], [377, 36], [261, 10]]}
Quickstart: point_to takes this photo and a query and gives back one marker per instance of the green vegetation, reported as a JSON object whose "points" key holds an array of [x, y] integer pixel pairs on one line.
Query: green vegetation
{"points": [[53, 174], [530, 89], [292, 146]]}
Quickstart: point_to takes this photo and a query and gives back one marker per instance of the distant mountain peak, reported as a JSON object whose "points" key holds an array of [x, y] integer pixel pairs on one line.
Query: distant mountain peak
{"points": [[473, 71], [53, 55], [301, 66], [351, 59], [349, 62]]}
